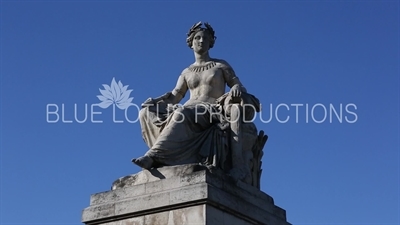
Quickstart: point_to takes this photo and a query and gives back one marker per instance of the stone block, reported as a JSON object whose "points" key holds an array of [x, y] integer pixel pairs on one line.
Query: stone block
{"points": [[186, 194]]}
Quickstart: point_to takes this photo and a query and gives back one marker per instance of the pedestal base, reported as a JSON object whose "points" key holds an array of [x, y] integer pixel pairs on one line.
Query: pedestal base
{"points": [[195, 196]]}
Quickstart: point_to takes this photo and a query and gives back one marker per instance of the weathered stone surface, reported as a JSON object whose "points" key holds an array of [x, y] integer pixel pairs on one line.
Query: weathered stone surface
{"points": [[156, 174], [178, 200]]}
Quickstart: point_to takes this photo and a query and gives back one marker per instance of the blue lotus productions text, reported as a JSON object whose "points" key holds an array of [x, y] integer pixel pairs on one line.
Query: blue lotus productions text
{"points": [[280, 113]]}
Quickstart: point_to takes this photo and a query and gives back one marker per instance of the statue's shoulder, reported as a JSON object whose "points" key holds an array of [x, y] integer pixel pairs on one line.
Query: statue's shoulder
{"points": [[185, 71], [220, 63]]}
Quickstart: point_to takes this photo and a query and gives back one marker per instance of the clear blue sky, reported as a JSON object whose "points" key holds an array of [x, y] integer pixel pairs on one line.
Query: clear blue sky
{"points": [[310, 52]]}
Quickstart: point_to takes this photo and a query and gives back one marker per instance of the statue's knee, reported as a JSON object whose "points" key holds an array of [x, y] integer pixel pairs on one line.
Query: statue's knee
{"points": [[144, 113]]}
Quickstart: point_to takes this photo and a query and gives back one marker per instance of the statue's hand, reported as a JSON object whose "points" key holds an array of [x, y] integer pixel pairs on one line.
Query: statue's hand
{"points": [[163, 97], [153, 101], [236, 91], [148, 102]]}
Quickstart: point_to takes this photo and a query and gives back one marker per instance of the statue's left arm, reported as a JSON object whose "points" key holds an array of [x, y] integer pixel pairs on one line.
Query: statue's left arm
{"points": [[231, 79]]}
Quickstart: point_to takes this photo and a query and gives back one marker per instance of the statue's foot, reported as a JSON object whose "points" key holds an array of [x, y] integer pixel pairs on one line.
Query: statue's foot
{"points": [[145, 162]]}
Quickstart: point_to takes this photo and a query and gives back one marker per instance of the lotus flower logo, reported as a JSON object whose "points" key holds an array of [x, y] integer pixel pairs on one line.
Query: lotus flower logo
{"points": [[116, 94]]}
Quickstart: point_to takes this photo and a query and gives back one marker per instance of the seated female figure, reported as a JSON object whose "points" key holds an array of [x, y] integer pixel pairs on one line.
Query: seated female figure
{"points": [[189, 134]]}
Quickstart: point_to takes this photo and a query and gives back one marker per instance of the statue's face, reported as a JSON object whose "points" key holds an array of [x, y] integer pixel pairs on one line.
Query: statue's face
{"points": [[201, 41]]}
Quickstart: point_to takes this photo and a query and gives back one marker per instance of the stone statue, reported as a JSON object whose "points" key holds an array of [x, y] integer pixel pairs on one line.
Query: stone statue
{"points": [[212, 128]]}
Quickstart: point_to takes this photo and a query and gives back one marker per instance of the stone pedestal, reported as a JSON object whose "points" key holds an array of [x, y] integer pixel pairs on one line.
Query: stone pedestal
{"points": [[180, 195]]}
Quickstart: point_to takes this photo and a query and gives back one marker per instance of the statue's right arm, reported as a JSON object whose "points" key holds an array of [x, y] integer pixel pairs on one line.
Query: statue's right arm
{"points": [[179, 91], [172, 97]]}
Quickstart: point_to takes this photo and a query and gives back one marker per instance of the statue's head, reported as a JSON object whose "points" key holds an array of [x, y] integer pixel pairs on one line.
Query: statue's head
{"points": [[197, 28]]}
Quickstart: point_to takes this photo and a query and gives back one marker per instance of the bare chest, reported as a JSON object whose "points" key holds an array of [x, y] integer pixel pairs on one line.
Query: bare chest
{"points": [[212, 77]]}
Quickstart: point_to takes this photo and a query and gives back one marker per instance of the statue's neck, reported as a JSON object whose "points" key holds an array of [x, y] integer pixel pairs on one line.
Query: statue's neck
{"points": [[201, 59]]}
